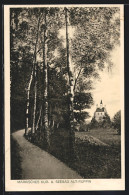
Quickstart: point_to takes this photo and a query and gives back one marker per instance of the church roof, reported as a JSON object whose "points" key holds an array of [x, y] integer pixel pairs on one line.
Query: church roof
{"points": [[100, 109]]}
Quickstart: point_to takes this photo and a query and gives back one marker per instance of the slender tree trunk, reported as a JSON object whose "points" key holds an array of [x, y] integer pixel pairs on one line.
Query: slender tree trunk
{"points": [[53, 123], [35, 97], [75, 83], [35, 79], [40, 113], [71, 91], [45, 66], [41, 122], [28, 103]]}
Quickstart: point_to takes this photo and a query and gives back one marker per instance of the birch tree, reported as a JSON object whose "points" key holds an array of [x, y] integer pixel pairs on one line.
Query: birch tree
{"points": [[70, 90], [45, 70]]}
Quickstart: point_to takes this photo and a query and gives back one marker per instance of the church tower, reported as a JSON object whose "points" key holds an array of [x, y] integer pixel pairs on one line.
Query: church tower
{"points": [[101, 104], [100, 112]]}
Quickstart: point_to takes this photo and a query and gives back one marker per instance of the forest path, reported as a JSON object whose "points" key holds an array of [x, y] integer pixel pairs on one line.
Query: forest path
{"points": [[38, 164]]}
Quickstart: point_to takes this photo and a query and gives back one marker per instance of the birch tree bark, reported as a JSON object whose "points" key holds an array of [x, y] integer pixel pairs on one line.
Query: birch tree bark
{"points": [[71, 90], [28, 103], [45, 70], [35, 97]]}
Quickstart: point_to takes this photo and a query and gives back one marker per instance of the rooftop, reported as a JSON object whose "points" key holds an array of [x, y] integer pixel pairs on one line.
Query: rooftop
{"points": [[100, 109]]}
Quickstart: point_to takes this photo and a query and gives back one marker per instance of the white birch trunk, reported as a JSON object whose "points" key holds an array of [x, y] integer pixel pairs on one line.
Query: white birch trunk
{"points": [[71, 88], [45, 66], [37, 125], [35, 98], [28, 103], [35, 80]]}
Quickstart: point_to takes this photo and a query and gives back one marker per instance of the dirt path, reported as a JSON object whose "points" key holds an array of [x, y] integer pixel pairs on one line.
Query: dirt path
{"points": [[38, 164]]}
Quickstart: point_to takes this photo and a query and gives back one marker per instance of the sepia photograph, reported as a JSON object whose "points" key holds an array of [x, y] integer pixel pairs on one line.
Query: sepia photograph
{"points": [[64, 97]]}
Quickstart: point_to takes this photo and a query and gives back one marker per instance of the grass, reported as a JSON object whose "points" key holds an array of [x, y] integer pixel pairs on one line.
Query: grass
{"points": [[92, 160], [98, 161], [108, 136], [16, 171]]}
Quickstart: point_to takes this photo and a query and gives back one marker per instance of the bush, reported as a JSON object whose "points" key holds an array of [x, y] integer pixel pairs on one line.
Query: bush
{"points": [[94, 123], [117, 122], [105, 123]]}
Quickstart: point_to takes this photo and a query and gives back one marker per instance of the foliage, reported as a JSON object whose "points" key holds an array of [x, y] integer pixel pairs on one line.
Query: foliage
{"points": [[81, 116], [97, 32], [94, 123], [117, 122], [57, 97], [81, 102], [105, 123]]}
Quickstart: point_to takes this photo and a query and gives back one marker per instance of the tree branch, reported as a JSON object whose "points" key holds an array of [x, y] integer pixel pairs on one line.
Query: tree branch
{"points": [[77, 78]]}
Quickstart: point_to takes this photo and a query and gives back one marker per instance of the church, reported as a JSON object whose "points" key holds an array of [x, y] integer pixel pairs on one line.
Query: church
{"points": [[100, 112]]}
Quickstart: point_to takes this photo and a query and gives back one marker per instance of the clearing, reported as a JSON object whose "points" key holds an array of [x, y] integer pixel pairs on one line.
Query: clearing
{"points": [[107, 136]]}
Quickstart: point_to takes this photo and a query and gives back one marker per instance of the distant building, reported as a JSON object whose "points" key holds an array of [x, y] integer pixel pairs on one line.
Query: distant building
{"points": [[100, 112]]}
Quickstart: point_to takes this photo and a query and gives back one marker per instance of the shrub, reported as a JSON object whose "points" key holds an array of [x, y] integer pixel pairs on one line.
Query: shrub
{"points": [[117, 122], [105, 122]]}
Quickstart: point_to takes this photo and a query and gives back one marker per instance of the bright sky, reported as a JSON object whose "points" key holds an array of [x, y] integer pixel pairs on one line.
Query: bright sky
{"points": [[108, 88]]}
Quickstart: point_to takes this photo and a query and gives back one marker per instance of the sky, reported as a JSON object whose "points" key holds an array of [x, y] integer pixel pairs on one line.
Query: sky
{"points": [[108, 88]]}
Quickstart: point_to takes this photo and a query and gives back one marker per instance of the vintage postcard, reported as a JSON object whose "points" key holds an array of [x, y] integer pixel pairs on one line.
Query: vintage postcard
{"points": [[64, 97]]}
